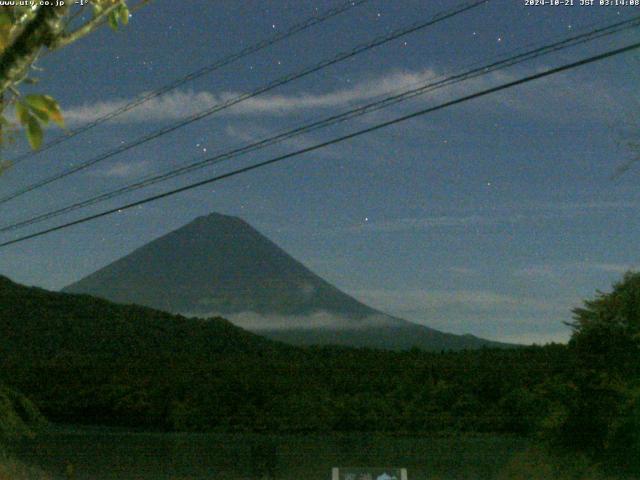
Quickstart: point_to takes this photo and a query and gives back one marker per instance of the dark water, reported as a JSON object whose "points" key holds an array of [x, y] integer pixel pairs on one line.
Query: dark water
{"points": [[110, 455]]}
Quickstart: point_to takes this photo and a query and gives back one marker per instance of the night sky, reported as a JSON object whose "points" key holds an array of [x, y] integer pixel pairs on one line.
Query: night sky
{"points": [[495, 217]]}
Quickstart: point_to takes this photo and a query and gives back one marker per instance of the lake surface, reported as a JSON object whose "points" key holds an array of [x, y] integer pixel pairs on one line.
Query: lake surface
{"points": [[100, 454]]}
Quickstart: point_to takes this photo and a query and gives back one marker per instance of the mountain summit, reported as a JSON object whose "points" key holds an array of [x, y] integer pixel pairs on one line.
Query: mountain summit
{"points": [[220, 265]]}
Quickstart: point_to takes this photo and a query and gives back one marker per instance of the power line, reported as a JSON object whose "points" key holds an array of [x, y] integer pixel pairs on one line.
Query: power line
{"points": [[482, 93], [236, 100], [385, 102], [278, 37]]}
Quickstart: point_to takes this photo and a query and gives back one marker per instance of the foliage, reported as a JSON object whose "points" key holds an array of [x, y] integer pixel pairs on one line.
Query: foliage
{"points": [[601, 416], [86, 360], [535, 463], [35, 110], [18, 416], [26, 31], [12, 469], [606, 334], [623, 438]]}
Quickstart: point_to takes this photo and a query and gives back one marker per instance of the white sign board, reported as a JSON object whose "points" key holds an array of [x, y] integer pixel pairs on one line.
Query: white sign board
{"points": [[369, 473]]}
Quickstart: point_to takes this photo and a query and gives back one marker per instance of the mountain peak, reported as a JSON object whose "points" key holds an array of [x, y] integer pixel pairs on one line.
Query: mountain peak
{"points": [[215, 221], [215, 217], [220, 265]]}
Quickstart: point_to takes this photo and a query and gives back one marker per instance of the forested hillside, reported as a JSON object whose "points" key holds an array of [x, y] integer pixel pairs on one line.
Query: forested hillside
{"points": [[84, 360], [18, 418], [41, 325], [88, 360]]}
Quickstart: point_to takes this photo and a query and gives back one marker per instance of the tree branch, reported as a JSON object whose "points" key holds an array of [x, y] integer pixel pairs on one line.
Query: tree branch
{"points": [[67, 38], [40, 32], [91, 25]]}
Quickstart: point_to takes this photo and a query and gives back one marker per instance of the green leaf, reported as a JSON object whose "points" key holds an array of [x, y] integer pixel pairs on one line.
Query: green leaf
{"points": [[34, 132], [97, 8], [45, 106], [38, 102], [5, 19], [113, 20], [22, 112], [123, 14], [42, 116], [57, 118]]}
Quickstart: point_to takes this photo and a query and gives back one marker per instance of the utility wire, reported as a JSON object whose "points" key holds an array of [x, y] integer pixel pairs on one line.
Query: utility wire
{"points": [[482, 93], [236, 100], [385, 102], [278, 37]]}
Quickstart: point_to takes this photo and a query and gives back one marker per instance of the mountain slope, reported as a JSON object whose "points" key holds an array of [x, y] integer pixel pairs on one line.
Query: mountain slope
{"points": [[396, 337], [84, 360], [220, 265], [38, 324], [217, 264]]}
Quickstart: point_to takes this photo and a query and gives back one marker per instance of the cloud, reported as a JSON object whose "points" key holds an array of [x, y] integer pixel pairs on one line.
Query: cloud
{"points": [[463, 270], [422, 223], [586, 207], [124, 169], [613, 267], [556, 91], [181, 104], [257, 322], [250, 133], [539, 338], [489, 314], [437, 299], [431, 309], [558, 270], [428, 222], [497, 215], [535, 271]]}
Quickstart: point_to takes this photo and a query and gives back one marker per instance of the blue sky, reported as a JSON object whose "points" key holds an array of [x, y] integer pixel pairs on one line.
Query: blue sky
{"points": [[494, 217]]}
